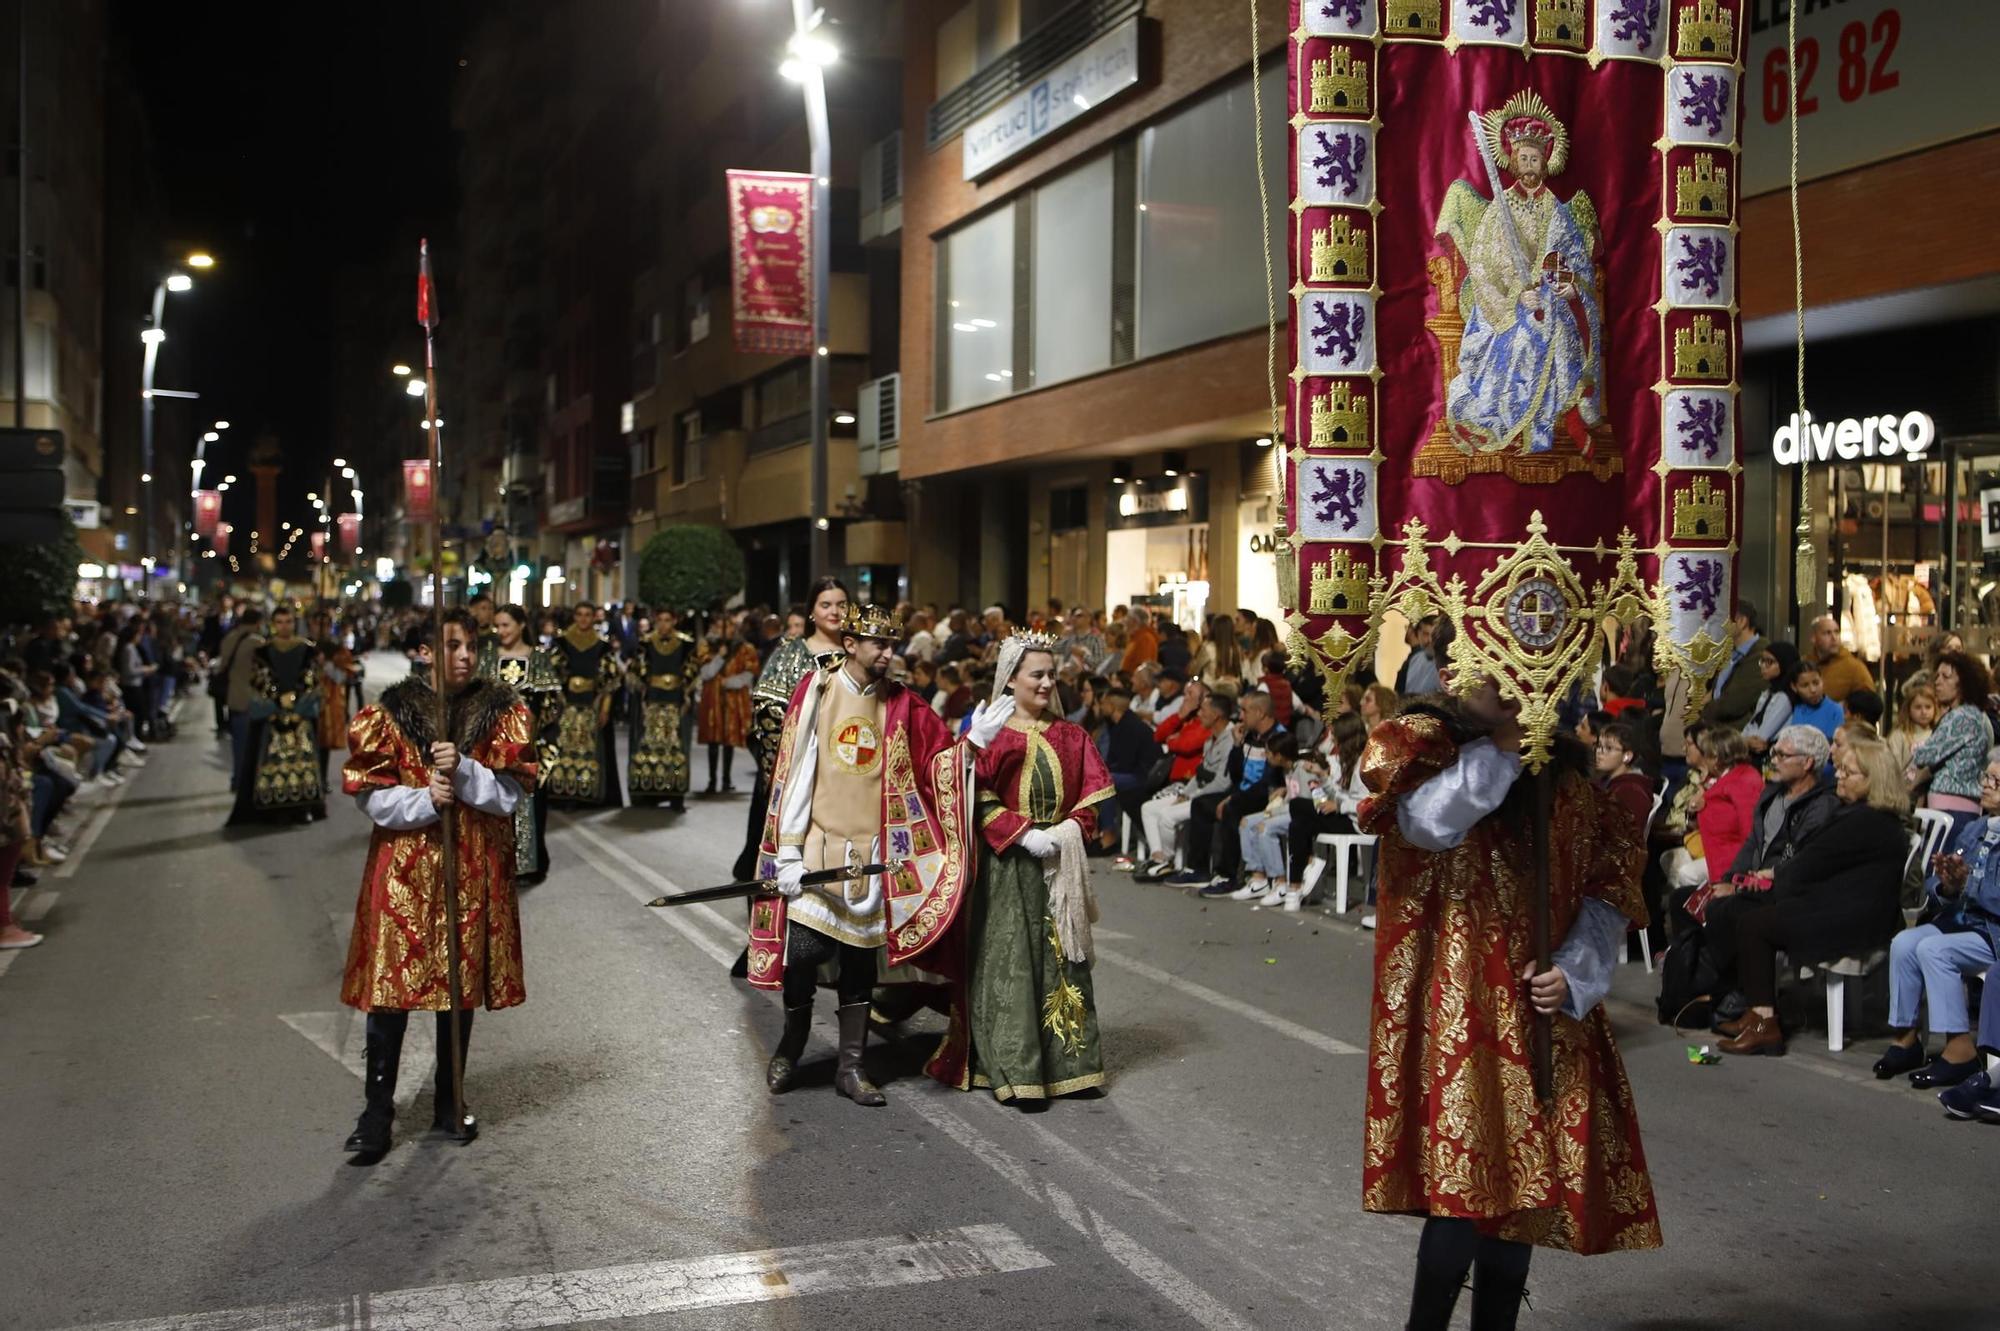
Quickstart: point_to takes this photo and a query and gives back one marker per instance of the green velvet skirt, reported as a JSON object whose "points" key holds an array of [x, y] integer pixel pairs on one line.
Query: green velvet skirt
{"points": [[1033, 1018]]}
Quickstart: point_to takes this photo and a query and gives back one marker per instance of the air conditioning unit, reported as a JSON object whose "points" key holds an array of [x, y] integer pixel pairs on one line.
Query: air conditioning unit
{"points": [[879, 423], [882, 188]]}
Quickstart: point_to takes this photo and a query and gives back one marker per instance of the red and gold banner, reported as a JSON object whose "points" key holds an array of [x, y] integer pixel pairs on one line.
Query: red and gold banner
{"points": [[220, 540], [207, 512], [417, 489], [770, 243], [319, 547], [1521, 414], [349, 526]]}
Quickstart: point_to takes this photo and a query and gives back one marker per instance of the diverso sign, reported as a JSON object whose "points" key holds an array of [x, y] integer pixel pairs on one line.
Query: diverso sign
{"points": [[1885, 436]]}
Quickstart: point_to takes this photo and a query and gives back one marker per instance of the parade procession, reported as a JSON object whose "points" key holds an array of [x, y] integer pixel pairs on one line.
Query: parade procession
{"points": [[1222, 664]]}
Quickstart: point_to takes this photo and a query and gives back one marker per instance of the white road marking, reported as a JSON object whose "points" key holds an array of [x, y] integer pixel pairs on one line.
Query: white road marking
{"points": [[1127, 1251], [1248, 1011], [92, 829], [343, 1037], [641, 1289], [599, 852], [38, 904]]}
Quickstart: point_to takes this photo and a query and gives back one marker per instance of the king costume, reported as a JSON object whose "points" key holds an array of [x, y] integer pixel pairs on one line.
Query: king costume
{"points": [[397, 953], [1455, 1130], [583, 756], [865, 772]]}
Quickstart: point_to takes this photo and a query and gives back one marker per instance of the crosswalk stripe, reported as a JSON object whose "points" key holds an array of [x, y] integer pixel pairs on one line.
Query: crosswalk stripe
{"points": [[343, 1037], [641, 1289]]}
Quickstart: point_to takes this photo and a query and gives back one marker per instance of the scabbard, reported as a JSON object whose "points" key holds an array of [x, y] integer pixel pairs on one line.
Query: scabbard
{"points": [[762, 887]]}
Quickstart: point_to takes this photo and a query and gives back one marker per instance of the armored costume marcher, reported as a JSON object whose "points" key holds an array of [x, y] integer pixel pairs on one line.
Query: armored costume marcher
{"points": [[397, 955], [532, 676], [1455, 1130], [283, 777], [583, 767], [659, 675], [865, 772]]}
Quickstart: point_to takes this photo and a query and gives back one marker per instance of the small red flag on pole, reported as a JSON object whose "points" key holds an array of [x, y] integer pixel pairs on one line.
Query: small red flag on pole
{"points": [[427, 310]]}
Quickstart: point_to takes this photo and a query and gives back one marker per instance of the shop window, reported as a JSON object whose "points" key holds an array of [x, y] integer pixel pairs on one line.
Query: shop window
{"points": [[643, 454], [1200, 230], [975, 318], [690, 449], [1072, 283]]}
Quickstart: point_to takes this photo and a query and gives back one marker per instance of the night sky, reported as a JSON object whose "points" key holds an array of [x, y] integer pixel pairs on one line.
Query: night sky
{"points": [[286, 151]]}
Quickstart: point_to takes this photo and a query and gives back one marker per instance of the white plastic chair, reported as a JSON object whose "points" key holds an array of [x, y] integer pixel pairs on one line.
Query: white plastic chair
{"points": [[1339, 843], [1645, 940], [1935, 826]]}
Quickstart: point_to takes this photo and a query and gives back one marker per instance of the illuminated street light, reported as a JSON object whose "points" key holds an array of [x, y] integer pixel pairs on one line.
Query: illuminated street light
{"points": [[180, 282], [229, 480], [415, 388], [200, 260], [399, 369], [222, 425], [145, 478], [340, 462], [152, 337], [210, 437]]}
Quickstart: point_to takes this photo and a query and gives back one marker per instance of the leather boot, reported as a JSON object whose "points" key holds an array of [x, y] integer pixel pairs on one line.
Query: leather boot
{"points": [[849, 1079], [442, 1100], [384, 1052], [1496, 1300], [1432, 1301], [783, 1068]]}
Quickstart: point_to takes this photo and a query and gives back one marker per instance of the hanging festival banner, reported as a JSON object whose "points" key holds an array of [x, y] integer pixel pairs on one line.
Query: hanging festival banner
{"points": [[417, 489], [349, 526], [207, 512], [219, 541], [770, 246], [1513, 390], [319, 547]]}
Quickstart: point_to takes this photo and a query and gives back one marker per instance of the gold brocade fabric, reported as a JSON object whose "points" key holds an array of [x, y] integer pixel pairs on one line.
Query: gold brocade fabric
{"points": [[396, 956], [1453, 1124], [659, 765]]}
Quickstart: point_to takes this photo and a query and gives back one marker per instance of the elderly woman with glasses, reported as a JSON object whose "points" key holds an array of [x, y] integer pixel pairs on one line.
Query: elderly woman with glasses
{"points": [[1929, 964], [1836, 896]]}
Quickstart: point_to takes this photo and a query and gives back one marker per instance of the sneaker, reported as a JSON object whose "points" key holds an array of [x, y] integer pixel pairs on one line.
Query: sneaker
{"points": [[1123, 864], [1277, 893], [1253, 890], [1368, 920], [1191, 878], [112, 779], [137, 746], [131, 760], [1295, 900], [1218, 887], [54, 851], [1153, 870], [1963, 1100]]}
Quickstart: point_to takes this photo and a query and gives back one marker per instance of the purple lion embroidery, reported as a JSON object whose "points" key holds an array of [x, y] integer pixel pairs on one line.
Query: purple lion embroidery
{"points": [[1706, 103], [1495, 14], [1347, 9], [1340, 166], [1634, 21], [1337, 330], [1700, 586], [1340, 496], [1702, 265], [1701, 426]]}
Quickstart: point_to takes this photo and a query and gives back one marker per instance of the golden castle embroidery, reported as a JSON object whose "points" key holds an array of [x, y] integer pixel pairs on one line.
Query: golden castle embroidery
{"points": [[1339, 418], [1701, 351], [1340, 82], [1701, 512], [1339, 252], [1702, 189]]}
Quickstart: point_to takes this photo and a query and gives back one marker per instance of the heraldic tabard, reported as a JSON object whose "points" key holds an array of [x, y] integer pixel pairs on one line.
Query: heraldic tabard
{"points": [[1513, 395]]}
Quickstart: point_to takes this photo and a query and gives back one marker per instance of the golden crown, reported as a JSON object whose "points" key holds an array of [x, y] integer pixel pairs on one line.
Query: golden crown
{"points": [[1033, 640], [868, 620]]}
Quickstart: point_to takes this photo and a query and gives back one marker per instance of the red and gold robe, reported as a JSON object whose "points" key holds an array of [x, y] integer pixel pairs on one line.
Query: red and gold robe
{"points": [[396, 956], [926, 824], [1454, 1127], [333, 694], [724, 714]]}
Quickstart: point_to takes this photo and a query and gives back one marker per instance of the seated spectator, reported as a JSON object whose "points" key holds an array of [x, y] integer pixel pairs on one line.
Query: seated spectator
{"points": [[1090, 691], [1951, 760], [1592, 725], [1723, 805], [1169, 688], [1167, 812], [1617, 773], [953, 699], [1328, 795], [1779, 663], [1975, 1097], [1837, 896], [1183, 734], [923, 678], [15, 838], [1211, 859], [1812, 707], [1795, 804], [1175, 653], [1378, 703], [1129, 754], [1278, 686], [1261, 834], [1915, 720], [1929, 964], [1864, 705]]}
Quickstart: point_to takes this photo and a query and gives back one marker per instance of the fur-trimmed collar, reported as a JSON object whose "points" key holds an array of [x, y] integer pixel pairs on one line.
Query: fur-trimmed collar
{"points": [[475, 710]]}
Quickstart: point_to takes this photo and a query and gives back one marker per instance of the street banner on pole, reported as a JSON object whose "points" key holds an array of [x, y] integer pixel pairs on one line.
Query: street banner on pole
{"points": [[349, 525], [770, 243], [417, 490], [207, 512], [220, 540], [1513, 397], [319, 547]]}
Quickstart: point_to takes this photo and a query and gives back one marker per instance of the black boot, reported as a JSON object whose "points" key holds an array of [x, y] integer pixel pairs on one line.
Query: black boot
{"points": [[1496, 1299], [784, 1065], [728, 771], [849, 1079], [370, 1138], [1435, 1296], [710, 790], [442, 1101]]}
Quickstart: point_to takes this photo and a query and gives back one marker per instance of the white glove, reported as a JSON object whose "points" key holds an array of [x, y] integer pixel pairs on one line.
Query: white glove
{"points": [[788, 881], [1038, 843], [989, 719]]}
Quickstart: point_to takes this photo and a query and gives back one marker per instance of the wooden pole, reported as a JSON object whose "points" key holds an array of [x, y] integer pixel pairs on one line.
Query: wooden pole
{"points": [[447, 820], [1543, 1047]]}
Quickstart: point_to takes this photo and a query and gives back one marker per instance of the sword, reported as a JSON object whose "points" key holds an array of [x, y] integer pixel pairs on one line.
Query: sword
{"points": [[762, 887]]}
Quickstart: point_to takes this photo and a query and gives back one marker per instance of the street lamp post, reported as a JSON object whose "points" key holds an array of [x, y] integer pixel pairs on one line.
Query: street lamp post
{"points": [[154, 334], [809, 52]]}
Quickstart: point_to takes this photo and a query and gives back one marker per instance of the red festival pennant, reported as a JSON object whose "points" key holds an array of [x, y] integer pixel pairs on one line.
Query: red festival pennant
{"points": [[770, 244], [207, 512], [417, 489], [219, 542], [1513, 393], [427, 309], [349, 527], [319, 547]]}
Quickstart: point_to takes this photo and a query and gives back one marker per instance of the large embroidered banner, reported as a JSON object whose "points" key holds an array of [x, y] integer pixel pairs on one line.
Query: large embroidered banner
{"points": [[1513, 390], [770, 251]]}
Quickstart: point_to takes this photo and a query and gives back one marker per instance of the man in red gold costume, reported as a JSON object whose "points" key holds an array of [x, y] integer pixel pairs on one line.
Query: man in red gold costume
{"points": [[1456, 1132], [865, 773], [404, 776]]}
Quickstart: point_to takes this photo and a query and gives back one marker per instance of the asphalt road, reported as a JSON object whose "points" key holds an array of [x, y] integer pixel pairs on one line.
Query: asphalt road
{"points": [[177, 1075]]}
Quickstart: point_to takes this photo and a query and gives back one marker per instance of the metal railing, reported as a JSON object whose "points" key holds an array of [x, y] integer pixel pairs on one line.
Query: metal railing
{"points": [[1019, 65]]}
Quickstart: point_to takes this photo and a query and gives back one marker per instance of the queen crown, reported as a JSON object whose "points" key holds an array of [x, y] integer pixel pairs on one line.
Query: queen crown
{"points": [[1034, 640]]}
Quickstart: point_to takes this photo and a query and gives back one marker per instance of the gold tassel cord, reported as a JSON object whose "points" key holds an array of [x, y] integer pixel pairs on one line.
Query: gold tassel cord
{"points": [[1270, 271], [1805, 559]]}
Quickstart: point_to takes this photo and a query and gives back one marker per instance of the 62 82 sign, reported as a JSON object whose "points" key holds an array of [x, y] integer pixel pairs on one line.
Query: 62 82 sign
{"points": [[1865, 54]]}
